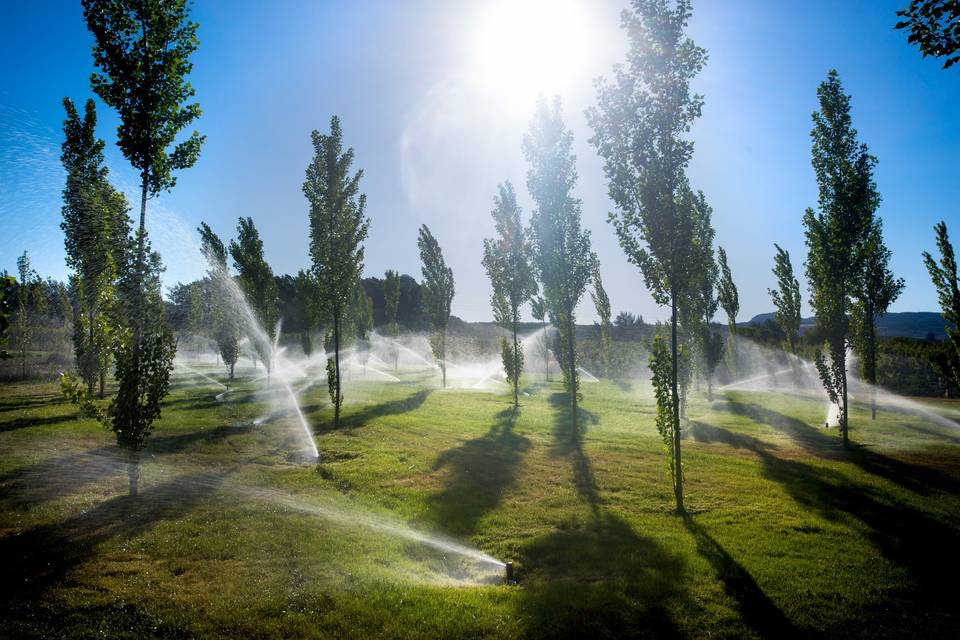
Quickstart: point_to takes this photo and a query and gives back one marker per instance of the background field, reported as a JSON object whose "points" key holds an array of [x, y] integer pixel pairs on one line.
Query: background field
{"points": [[233, 535]]}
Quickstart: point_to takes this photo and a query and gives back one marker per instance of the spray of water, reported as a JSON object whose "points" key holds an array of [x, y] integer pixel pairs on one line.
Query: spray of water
{"points": [[355, 517], [767, 370], [182, 365]]}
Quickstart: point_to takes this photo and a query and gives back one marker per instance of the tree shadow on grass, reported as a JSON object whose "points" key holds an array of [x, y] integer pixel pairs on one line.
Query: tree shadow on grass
{"points": [[16, 404], [34, 421], [478, 473], [353, 419], [600, 579], [922, 545], [930, 432], [597, 578], [569, 443], [756, 610], [30, 485], [916, 478], [39, 558]]}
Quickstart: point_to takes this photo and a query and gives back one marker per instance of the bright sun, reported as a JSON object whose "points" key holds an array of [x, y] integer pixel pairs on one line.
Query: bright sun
{"points": [[525, 48]]}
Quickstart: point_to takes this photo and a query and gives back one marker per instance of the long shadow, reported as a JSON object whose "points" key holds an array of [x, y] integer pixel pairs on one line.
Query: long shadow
{"points": [[568, 442], [478, 473], [65, 475], [598, 580], [907, 537], [354, 419], [204, 401], [26, 422], [756, 609], [916, 478], [930, 432], [38, 558], [20, 405]]}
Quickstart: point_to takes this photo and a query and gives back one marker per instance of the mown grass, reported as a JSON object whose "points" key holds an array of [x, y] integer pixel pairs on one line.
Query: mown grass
{"points": [[235, 536]]}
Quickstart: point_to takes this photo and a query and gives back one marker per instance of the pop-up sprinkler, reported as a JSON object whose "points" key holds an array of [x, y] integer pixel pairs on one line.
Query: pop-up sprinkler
{"points": [[508, 569]]}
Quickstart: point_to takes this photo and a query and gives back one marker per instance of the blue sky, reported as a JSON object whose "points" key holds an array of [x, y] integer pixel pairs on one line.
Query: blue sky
{"points": [[436, 114]]}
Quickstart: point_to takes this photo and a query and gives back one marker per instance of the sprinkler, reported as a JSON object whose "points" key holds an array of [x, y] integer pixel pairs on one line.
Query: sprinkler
{"points": [[508, 568]]}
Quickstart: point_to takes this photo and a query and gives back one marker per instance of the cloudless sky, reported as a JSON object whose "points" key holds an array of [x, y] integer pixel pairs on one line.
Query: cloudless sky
{"points": [[435, 96]]}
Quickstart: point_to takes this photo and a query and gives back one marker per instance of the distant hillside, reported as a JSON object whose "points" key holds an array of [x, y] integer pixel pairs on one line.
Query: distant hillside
{"points": [[907, 324]]}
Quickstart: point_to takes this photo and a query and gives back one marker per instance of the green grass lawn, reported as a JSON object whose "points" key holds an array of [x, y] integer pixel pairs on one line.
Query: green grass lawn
{"points": [[234, 535]]}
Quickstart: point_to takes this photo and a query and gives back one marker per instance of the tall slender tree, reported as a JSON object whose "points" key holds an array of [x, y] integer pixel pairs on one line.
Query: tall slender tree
{"points": [[391, 307], [562, 255], [438, 290], [142, 49], [506, 259], [226, 327], [727, 292], [943, 272], [836, 235], [258, 285], [95, 226], [639, 125], [338, 228], [876, 290], [786, 298], [729, 301], [29, 280], [538, 309], [700, 307], [7, 284], [601, 303]]}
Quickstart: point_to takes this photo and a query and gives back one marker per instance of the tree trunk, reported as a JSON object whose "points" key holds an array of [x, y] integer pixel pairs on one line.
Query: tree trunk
{"points": [[231, 370], [845, 417], [516, 372], [133, 471], [336, 368], [870, 366], [103, 381], [90, 375], [546, 352], [572, 378], [443, 358], [709, 390], [677, 470]]}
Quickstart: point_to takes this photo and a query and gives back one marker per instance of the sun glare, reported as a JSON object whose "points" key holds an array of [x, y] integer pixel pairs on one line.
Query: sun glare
{"points": [[525, 48]]}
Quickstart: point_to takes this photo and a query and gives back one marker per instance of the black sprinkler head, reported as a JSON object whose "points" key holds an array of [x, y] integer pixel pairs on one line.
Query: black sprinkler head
{"points": [[509, 572]]}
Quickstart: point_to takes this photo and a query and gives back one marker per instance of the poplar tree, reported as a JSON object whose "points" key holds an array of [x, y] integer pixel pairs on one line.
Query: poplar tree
{"points": [[601, 303], [836, 235], [506, 259], [28, 282], [727, 292], [338, 228], [438, 290], [786, 298], [7, 284], [95, 226], [142, 49], [391, 308], [226, 330], [639, 124], [729, 301], [876, 290], [258, 285], [538, 309], [701, 306], [562, 255], [943, 273]]}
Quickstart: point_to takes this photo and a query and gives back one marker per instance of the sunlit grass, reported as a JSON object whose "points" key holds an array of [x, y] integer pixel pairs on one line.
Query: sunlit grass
{"points": [[788, 532]]}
